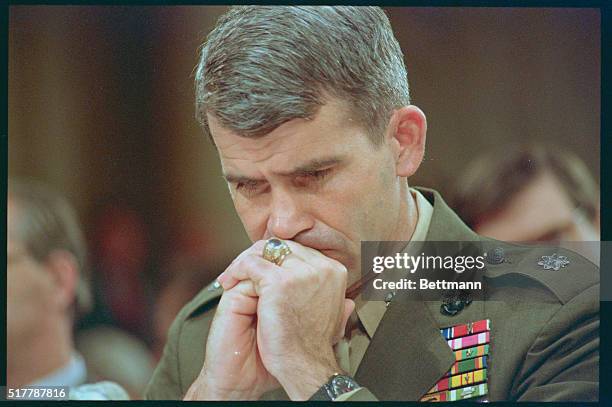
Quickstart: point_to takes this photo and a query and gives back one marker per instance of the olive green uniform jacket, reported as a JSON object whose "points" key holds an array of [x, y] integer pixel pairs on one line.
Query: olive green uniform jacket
{"points": [[544, 340]]}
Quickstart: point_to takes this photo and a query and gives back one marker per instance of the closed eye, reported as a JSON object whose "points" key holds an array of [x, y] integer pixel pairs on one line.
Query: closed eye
{"points": [[302, 179], [249, 187], [310, 176]]}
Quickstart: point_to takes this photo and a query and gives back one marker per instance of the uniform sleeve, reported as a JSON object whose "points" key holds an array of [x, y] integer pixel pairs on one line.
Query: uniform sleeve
{"points": [[165, 385], [563, 362]]}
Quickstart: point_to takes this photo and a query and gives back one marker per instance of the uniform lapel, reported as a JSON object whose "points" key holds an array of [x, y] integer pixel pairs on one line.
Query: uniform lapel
{"points": [[408, 355]]}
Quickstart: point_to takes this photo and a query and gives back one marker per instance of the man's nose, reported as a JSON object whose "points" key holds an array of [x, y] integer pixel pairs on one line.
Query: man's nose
{"points": [[288, 217]]}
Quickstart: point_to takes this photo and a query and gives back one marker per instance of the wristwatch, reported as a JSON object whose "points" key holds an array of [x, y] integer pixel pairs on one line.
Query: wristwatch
{"points": [[336, 386]]}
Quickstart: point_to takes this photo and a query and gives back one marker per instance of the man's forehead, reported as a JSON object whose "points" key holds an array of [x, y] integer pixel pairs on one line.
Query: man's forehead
{"points": [[299, 144], [290, 135], [283, 156]]}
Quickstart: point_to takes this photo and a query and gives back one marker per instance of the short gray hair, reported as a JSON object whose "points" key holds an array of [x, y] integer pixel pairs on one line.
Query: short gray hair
{"points": [[262, 66]]}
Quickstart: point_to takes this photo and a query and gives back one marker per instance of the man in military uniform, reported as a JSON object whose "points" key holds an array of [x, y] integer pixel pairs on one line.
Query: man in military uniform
{"points": [[309, 109]]}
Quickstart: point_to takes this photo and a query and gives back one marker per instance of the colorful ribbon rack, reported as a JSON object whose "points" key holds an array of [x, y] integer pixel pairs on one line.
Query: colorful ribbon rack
{"points": [[467, 378]]}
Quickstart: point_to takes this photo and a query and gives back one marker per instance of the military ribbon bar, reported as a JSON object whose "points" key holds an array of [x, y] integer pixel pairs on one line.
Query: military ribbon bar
{"points": [[458, 394], [460, 380], [468, 341], [467, 365], [466, 329], [467, 377], [473, 352]]}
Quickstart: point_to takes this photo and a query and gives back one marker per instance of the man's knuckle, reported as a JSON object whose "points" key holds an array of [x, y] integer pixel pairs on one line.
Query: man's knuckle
{"points": [[258, 246], [288, 282], [250, 262], [335, 267], [244, 263]]}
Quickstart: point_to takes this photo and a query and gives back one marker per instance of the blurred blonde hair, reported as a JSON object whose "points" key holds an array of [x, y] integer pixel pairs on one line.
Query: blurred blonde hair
{"points": [[48, 222]]}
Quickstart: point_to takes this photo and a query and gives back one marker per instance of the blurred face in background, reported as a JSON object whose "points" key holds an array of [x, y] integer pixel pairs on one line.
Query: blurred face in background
{"points": [[320, 182], [31, 289], [543, 212]]}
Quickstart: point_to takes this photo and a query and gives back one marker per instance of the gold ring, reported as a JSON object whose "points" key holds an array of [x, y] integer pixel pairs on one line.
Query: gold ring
{"points": [[275, 251]]}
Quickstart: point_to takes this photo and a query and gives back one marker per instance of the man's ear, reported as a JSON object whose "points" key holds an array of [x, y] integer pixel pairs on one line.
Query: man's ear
{"points": [[65, 270], [407, 130]]}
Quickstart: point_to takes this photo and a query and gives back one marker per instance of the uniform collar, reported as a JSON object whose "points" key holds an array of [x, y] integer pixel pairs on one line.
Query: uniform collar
{"points": [[370, 313]]}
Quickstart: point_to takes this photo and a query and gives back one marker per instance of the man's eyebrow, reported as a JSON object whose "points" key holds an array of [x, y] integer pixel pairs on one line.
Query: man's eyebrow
{"points": [[302, 169], [314, 165], [237, 179]]}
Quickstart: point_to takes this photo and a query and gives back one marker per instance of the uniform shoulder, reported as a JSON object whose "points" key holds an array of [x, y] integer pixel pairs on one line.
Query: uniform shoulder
{"points": [[561, 271], [206, 299]]}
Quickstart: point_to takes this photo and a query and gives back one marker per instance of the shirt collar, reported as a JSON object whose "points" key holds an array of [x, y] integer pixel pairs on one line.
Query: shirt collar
{"points": [[71, 374], [371, 312]]}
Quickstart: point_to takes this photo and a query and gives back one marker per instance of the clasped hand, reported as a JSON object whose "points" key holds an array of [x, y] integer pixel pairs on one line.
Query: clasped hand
{"points": [[274, 326]]}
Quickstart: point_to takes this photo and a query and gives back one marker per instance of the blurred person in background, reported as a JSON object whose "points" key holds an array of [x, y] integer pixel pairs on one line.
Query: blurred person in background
{"points": [[120, 252], [121, 320], [48, 293], [46, 287], [531, 193], [113, 354]]}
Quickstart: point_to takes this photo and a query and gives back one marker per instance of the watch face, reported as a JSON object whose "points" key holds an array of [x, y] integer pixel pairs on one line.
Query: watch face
{"points": [[343, 384]]}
